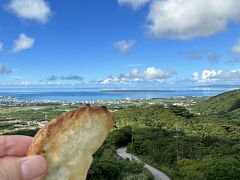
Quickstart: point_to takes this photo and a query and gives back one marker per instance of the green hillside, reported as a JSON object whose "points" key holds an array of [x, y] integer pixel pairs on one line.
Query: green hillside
{"points": [[178, 117], [223, 104], [183, 145], [235, 113]]}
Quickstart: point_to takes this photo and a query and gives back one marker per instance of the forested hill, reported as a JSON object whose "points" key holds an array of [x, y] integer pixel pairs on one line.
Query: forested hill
{"points": [[226, 103]]}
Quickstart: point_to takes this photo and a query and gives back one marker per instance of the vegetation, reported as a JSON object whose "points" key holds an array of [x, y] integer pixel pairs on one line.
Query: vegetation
{"points": [[222, 104], [176, 117], [187, 157], [107, 165], [185, 145], [198, 142], [30, 114]]}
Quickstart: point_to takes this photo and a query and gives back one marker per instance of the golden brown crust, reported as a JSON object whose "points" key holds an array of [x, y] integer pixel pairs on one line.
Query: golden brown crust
{"points": [[69, 140], [63, 123]]}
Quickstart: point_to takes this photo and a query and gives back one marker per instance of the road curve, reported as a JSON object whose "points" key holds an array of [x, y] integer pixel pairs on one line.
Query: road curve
{"points": [[158, 175]]}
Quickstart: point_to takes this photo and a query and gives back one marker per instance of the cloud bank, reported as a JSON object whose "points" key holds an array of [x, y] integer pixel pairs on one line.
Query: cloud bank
{"points": [[232, 76], [148, 75]]}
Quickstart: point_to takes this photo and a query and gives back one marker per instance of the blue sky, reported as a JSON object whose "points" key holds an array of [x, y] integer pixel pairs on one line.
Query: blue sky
{"points": [[119, 43]]}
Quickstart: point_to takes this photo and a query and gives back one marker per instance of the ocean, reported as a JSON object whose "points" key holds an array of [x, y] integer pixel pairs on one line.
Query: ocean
{"points": [[78, 94]]}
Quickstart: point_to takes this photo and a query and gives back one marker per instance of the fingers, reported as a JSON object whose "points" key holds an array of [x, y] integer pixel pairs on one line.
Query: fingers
{"points": [[16, 168], [27, 168], [14, 145]]}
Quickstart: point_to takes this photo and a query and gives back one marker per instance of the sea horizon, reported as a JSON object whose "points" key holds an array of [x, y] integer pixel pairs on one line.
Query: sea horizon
{"points": [[93, 94]]}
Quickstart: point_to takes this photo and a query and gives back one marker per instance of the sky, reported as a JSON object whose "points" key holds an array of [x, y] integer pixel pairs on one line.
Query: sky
{"points": [[120, 43]]}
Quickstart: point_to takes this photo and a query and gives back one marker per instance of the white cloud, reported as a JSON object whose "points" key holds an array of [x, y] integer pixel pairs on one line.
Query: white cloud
{"points": [[134, 74], [22, 43], [1, 46], [233, 75], [124, 46], [236, 48], [31, 9], [210, 74], [135, 4], [195, 76], [153, 73], [112, 80], [218, 76], [187, 19], [149, 75]]}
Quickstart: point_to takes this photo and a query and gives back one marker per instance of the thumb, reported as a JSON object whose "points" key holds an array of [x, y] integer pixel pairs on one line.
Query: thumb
{"points": [[27, 168]]}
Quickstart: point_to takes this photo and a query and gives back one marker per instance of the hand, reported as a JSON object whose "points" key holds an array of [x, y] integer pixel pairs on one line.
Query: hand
{"points": [[15, 165]]}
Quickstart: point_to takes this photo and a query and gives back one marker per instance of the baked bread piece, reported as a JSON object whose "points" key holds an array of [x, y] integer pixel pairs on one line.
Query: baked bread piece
{"points": [[69, 141]]}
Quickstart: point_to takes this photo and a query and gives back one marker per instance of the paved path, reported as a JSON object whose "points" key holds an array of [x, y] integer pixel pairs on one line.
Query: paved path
{"points": [[158, 175]]}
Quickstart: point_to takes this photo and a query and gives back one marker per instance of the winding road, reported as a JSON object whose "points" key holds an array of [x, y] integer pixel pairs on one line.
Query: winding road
{"points": [[158, 175]]}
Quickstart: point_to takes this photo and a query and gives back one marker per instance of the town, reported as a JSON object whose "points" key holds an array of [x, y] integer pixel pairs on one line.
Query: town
{"points": [[23, 116]]}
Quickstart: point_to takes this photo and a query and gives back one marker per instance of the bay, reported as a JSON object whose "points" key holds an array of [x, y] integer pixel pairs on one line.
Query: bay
{"points": [[78, 94]]}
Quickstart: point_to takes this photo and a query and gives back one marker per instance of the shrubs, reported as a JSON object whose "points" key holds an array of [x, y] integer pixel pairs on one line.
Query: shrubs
{"points": [[117, 169], [105, 169], [188, 157], [107, 165], [121, 137], [222, 168]]}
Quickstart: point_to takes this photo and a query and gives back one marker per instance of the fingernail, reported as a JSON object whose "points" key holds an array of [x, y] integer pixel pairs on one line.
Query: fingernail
{"points": [[33, 167]]}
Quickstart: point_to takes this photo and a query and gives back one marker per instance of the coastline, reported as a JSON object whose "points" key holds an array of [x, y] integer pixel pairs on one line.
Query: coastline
{"points": [[9, 101], [97, 95]]}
